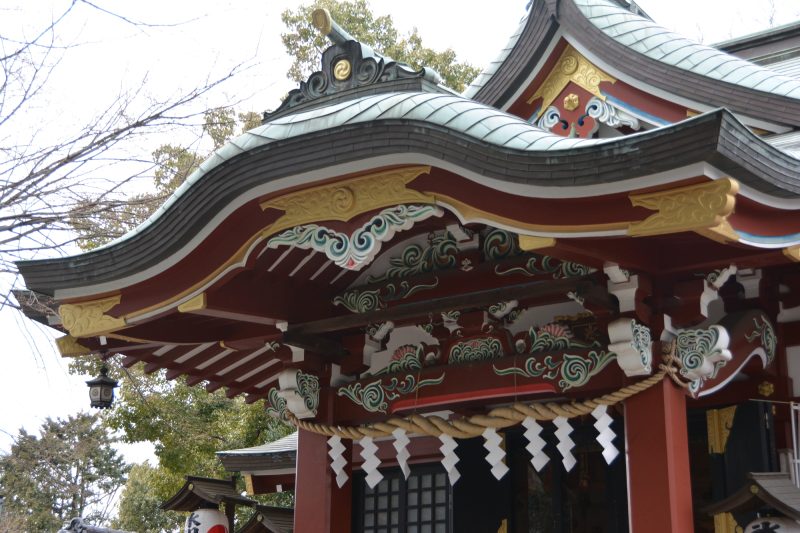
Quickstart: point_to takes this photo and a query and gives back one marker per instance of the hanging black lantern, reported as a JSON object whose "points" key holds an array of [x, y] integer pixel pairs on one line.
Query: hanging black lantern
{"points": [[101, 389]]}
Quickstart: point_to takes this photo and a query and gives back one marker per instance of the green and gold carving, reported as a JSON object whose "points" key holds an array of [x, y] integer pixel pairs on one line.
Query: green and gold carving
{"points": [[692, 208], [88, 319]]}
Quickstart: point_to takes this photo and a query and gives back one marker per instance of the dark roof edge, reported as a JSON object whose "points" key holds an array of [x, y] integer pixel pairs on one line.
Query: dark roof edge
{"points": [[539, 31], [758, 490], [716, 137], [753, 40]]}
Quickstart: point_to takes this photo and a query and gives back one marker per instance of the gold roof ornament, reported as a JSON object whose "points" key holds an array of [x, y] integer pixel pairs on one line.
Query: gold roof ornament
{"points": [[571, 67]]}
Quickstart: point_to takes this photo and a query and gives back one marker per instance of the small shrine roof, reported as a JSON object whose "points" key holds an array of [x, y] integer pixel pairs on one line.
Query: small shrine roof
{"points": [[282, 445], [199, 491], [269, 520], [276, 455], [770, 489]]}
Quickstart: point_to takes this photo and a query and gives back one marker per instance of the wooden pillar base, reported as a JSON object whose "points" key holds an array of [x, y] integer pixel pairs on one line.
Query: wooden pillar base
{"points": [[657, 447], [319, 504]]}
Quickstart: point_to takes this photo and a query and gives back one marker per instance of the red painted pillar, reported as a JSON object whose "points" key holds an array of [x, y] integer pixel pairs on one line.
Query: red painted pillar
{"points": [[657, 447], [319, 504]]}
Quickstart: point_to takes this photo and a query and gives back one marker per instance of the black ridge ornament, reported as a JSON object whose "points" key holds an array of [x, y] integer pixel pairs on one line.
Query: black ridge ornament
{"points": [[101, 389]]}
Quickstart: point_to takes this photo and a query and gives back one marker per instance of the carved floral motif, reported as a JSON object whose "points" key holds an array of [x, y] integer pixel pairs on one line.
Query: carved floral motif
{"points": [[474, 350]]}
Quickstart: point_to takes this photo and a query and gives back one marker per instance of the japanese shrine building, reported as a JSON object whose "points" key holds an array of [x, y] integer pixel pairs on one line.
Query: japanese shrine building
{"points": [[565, 300]]}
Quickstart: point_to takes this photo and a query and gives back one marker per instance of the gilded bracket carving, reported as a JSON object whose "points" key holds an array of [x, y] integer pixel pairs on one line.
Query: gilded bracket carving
{"points": [[87, 319], [793, 253], [346, 199], [693, 208], [68, 346], [571, 67]]}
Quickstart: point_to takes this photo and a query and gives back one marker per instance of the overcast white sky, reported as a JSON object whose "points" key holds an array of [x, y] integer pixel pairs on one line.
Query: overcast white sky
{"points": [[34, 383]]}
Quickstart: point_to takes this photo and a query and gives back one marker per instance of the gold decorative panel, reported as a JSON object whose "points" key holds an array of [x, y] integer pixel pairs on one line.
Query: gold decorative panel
{"points": [[691, 208], [726, 523], [571, 67], [198, 303], [87, 319], [719, 423], [68, 346], [346, 199], [528, 243], [793, 253]]}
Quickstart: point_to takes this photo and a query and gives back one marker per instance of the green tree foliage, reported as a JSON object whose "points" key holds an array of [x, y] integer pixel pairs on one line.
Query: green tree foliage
{"points": [[69, 470], [305, 44], [108, 220], [140, 506]]}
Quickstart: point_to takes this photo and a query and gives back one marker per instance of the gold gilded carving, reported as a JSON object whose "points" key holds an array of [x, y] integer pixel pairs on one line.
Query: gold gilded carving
{"points": [[725, 523], [248, 484], [321, 19], [86, 319], [347, 199], [723, 233], [571, 67], [571, 102], [342, 69], [766, 389], [719, 423], [691, 208], [68, 346], [528, 243], [793, 253], [503, 526], [198, 303]]}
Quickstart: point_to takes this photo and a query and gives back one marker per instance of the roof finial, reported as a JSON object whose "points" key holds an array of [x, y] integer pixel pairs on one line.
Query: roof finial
{"points": [[322, 20]]}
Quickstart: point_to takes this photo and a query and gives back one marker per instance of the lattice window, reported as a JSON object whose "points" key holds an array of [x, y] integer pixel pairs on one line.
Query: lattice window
{"points": [[422, 504]]}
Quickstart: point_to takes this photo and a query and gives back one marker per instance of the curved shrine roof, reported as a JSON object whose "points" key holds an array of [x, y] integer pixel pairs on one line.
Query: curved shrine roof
{"points": [[656, 42], [644, 54], [439, 128]]}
